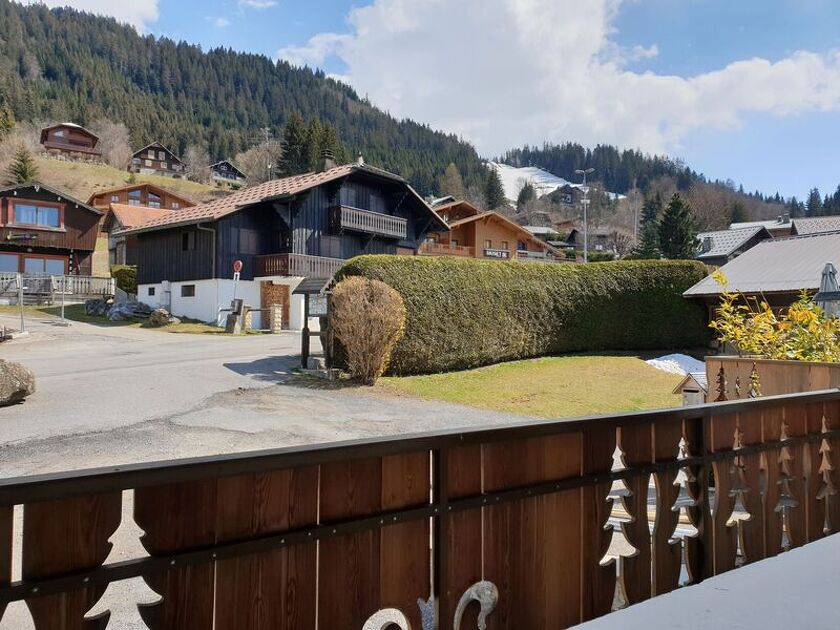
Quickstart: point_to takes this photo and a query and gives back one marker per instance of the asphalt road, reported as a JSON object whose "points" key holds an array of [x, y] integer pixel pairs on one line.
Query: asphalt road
{"points": [[108, 396]]}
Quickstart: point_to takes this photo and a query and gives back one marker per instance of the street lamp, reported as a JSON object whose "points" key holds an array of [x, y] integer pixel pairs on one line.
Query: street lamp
{"points": [[585, 203]]}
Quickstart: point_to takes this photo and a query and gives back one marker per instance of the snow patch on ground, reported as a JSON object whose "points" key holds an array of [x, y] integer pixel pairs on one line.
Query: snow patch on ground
{"points": [[513, 179], [677, 364]]}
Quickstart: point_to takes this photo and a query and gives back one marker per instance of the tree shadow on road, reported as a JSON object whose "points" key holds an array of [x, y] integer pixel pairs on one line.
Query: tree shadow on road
{"points": [[278, 369]]}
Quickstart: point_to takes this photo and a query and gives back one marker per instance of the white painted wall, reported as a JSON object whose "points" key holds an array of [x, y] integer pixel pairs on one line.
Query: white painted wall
{"points": [[210, 296]]}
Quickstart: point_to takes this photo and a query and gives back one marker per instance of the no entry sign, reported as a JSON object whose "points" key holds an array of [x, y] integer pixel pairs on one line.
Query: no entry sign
{"points": [[237, 266]]}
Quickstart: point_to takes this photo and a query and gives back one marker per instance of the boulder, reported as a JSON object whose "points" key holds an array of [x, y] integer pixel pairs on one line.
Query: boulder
{"points": [[16, 382], [162, 317], [97, 307]]}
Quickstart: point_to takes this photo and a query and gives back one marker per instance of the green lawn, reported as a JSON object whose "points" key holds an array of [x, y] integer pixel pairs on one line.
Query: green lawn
{"points": [[550, 387], [76, 313]]}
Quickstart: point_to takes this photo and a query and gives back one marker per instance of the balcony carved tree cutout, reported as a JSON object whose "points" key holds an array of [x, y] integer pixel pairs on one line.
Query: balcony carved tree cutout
{"points": [[828, 490]]}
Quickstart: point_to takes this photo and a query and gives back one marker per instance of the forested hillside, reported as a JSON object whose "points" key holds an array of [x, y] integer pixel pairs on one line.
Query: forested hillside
{"points": [[65, 65]]}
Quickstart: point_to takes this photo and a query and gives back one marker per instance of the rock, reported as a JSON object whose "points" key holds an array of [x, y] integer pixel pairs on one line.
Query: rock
{"points": [[162, 317], [96, 307], [16, 382]]}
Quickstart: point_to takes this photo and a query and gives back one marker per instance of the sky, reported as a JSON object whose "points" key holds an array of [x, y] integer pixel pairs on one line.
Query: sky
{"points": [[740, 89]]}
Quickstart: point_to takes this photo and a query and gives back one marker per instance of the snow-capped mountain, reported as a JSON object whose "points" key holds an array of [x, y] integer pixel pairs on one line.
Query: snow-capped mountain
{"points": [[513, 179]]}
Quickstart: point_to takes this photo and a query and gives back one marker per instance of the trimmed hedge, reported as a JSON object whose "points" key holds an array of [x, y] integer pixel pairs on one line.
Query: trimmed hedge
{"points": [[464, 313], [125, 277]]}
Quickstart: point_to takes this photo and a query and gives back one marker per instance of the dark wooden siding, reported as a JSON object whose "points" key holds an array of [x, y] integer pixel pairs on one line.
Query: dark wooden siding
{"points": [[161, 256], [80, 225], [252, 232]]}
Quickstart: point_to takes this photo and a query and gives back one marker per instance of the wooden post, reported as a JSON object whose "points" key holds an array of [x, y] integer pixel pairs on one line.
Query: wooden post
{"points": [[304, 339]]}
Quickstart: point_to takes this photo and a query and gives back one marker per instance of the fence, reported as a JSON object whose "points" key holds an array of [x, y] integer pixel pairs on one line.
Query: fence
{"points": [[47, 285], [507, 525], [774, 376]]}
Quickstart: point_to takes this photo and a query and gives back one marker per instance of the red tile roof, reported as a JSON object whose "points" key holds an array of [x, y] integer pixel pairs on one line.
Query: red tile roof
{"points": [[132, 216], [275, 189]]}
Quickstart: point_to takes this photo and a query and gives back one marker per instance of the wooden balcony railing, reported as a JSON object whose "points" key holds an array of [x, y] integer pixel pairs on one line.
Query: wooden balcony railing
{"points": [[367, 222], [445, 249], [77, 286], [297, 265], [519, 520]]}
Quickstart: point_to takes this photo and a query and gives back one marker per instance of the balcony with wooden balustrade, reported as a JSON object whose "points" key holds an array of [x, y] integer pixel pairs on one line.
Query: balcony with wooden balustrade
{"points": [[446, 249], [511, 525], [346, 218], [296, 265]]}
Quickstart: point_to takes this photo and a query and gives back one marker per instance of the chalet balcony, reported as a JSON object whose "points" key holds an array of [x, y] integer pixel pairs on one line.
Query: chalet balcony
{"points": [[445, 249], [345, 218], [297, 265], [514, 525], [44, 288]]}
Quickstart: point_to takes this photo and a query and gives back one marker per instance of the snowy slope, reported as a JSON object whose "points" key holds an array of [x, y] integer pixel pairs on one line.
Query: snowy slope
{"points": [[513, 179]]}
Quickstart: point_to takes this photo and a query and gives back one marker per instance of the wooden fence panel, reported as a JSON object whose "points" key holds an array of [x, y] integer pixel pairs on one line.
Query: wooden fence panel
{"points": [[597, 581], [179, 517], [751, 530], [6, 537], [666, 554], [274, 590], [814, 508], [724, 535], [532, 547], [831, 502], [796, 420], [772, 430], [699, 514], [636, 444], [61, 537], [363, 572]]}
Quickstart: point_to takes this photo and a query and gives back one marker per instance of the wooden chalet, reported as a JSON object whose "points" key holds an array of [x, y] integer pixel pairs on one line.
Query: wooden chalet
{"points": [[226, 172], [45, 232], [71, 141], [285, 232], [122, 249], [141, 196], [477, 234], [156, 159]]}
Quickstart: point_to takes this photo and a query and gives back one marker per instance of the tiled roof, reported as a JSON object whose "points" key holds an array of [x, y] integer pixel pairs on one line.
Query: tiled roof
{"points": [[132, 216], [726, 242], [776, 265], [816, 225], [268, 191]]}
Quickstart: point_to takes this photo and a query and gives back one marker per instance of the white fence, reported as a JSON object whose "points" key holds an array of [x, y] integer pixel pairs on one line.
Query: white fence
{"points": [[42, 285]]}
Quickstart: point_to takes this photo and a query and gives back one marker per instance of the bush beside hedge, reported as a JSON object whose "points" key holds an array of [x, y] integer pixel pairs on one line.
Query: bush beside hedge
{"points": [[125, 277], [464, 313]]}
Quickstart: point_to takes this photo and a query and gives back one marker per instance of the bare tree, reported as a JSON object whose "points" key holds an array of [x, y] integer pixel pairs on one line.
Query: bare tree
{"points": [[114, 142], [197, 159], [260, 163], [620, 242]]}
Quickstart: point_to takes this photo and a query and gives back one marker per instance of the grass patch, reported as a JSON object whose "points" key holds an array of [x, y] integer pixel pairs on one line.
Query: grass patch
{"points": [[76, 313], [81, 180], [550, 387]]}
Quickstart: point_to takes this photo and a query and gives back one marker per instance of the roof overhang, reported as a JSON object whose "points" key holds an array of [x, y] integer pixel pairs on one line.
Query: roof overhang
{"points": [[50, 189]]}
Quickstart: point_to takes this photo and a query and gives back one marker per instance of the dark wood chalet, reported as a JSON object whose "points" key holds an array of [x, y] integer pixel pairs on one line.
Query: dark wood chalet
{"points": [[71, 141], [283, 231], [44, 231], [140, 194], [156, 159], [225, 172]]}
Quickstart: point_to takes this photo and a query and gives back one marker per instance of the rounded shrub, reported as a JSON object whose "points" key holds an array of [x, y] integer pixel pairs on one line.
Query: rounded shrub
{"points": [[125, 277], [463, 313]]}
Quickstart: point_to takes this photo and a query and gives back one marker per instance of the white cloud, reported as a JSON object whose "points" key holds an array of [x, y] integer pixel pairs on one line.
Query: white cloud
{"points": [[139, 13], [257, 4], [506, 72], [218, 22]]}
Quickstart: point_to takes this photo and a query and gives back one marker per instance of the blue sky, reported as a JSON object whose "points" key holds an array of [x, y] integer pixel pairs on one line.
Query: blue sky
{"points": [[652, 74]]}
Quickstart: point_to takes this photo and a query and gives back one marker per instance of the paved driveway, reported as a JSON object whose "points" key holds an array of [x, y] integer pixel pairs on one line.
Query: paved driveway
{"points": [[114, 395]]}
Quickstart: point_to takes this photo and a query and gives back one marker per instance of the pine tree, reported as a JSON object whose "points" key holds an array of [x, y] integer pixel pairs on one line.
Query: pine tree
{"points": [[738, 214], [648, 245], [295, 158], [677, 230], [451, 183], [796, 208], [814, 205], [23, 168], [494, 191], [7, 120], [526, 195], [651, 210]]}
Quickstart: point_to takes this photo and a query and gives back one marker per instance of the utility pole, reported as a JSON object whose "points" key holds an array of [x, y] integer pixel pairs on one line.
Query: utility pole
{"points": [[585, 203]]}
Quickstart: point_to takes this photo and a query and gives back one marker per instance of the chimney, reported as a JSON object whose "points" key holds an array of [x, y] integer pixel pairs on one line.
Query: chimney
{"points": [[326, 161], [785, 218], [706, 245]]}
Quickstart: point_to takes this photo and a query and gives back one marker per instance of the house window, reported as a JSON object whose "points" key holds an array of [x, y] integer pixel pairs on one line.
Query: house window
{"points": [[187, 290], [175, 205], [33, 214], [39, 265], [164, 165], [454, 242], [504, 245], [59, 133], [188, 241], [249, 241], [521, 246], [151, 291], [148, 162], [115, 198], [488, 244], [161, 155], [9, 262], [153, 200]]}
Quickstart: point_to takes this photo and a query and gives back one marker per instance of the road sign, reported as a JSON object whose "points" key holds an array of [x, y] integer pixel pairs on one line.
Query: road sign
{"points": [[236, 276], [237, 267]]}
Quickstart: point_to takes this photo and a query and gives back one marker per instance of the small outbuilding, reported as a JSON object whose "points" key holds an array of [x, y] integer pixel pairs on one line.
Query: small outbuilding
{"points": [[694, 389]]}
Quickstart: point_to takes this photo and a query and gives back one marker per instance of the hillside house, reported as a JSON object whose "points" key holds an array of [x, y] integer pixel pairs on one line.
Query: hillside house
{"points": [[285, 232], [44, 231], [156, 159], [718, 248], [225, 172], [71, 142], [137, 203], [815, 225], [477, 234], [780, 226]]}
